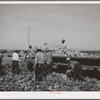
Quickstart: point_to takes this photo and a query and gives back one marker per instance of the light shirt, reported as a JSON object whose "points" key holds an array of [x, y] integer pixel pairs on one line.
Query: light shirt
{"points": [[72, 64], [31, 53], [48, 57], [45, 47], [39, 58], [63, 46], [15, 57]]}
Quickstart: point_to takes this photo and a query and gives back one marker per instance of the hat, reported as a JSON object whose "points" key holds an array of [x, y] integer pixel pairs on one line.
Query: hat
{"points": [[47, 49], [45, 43], [30, 46], [1, 51], [68, 59], [15, 51], [39, 48], [63, 39]]}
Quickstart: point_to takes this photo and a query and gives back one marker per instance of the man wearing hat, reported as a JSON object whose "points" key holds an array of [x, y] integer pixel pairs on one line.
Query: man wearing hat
{"points": [[48, 60], [75, 70], [1, 56], [15, 62], [30, 59], [39, 65], [45, 46], [31, 52], [63, 45]]}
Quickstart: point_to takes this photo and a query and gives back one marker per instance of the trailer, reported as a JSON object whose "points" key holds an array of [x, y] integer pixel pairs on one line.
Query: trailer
{"points": [[83, 60], [60, 63]]}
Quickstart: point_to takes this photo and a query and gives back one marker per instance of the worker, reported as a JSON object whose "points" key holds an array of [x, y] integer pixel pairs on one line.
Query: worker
{"points": [[45, 46], [15, 62], [30, 59], [63, 46], [1, 60], [39, 65], [75, 70], [1, 56], [31, 52], [48, 60]]}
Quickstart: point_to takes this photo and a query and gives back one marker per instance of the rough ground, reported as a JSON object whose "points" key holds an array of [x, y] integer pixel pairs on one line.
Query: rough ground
{"points": [[54, 82]]}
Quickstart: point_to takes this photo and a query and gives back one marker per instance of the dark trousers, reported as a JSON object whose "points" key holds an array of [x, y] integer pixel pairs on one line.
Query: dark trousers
{"points": [[30, 66], [77, 73], [15, 67], [0, 63], [40, 72], [30, 63], [1, 71], [48, 68]]}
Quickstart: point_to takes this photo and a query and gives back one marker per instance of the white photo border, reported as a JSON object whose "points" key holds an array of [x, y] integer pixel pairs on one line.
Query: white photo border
{"points": [[49, 95]]}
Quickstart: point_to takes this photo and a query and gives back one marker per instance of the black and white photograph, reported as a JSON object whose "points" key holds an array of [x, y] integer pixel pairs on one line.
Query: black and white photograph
{"points": [[50, 47]]}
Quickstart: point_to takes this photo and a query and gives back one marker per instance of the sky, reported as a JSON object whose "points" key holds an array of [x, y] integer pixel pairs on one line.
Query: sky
{"points": [[79, 24]]}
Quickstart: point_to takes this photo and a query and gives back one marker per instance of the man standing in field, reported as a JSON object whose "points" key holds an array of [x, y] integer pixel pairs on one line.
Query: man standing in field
{"points": [[63, 45], [31, 52], [1, 57], [39, 65], [48, 60], [15, 63], [1, 60], [75, 70], [45, 46], [30, 59]]}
